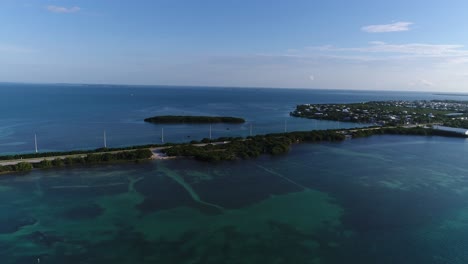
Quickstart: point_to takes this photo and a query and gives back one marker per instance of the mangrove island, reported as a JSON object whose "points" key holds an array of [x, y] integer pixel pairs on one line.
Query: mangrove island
{"points": [[176, 119]]}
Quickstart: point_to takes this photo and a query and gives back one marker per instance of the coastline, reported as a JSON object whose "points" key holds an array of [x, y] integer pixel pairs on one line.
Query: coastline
{"points": [[221, 149], [158, 155]]}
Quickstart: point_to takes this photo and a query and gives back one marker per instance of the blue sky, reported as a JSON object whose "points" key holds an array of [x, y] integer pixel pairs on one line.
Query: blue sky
{"points": [[378, 45]]}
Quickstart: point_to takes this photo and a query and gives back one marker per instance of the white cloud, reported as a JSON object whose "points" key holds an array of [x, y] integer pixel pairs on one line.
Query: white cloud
{"points": [[311, 77], [394, 27], [62, 9]]}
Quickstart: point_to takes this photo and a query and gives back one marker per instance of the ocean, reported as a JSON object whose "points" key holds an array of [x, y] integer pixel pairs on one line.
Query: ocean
{"points": [[382, 199], [71, 117]]}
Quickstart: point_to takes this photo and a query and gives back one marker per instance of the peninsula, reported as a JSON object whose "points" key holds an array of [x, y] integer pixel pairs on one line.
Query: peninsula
{"points": [[221, 149], [390, 113], [176, 119], [391, 117]]}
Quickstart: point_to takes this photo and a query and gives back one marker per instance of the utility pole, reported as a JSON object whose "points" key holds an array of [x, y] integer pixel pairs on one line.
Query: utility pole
{"points": [[162, 135], [105, 140], [35, 142]]}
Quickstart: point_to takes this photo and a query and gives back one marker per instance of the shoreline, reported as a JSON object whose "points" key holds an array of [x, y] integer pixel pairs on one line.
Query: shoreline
{"points": [[222, 149], [158, 155]]}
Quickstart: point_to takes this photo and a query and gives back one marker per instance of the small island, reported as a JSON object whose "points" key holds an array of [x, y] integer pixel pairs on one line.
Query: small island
{"points": [[175, 119]]}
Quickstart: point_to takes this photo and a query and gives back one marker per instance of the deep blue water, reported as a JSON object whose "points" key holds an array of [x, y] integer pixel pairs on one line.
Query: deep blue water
{"points": [[67, 117]]}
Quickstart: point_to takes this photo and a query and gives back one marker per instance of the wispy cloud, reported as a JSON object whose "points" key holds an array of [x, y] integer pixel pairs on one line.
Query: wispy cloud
{"points": [[458, 60], [416, 48], [393, 27], [422, 82], [413, 49], [62, 9]]}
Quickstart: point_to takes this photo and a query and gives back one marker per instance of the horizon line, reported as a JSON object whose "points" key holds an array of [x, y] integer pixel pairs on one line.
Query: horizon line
{"points": [[220, 86]]}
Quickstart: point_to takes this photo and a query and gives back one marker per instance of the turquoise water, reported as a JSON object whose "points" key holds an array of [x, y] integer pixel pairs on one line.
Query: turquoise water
{"points": [[384, 199]]}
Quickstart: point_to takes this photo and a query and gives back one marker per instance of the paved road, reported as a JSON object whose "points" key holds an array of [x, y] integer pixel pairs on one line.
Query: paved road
{"points": [[37, 160], [157, 154]]}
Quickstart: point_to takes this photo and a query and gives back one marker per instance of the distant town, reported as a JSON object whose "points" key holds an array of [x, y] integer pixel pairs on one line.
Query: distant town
{"points": [[390, 113]]}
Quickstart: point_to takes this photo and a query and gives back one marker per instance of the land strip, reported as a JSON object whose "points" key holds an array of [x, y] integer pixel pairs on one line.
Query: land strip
{"points": [[389, 117]]}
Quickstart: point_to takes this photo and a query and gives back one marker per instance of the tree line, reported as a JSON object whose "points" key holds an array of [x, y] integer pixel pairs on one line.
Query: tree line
{"points": [[89, 159], [417, 131], [220, 149], [172, 119], [251, 147]]}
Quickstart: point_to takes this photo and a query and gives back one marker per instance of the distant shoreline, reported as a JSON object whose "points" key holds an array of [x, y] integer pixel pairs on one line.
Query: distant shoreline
{"points": [[450, 94]]}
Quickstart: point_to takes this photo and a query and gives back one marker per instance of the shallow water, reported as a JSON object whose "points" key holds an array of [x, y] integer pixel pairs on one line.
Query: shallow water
{"points": [[384, 199]]}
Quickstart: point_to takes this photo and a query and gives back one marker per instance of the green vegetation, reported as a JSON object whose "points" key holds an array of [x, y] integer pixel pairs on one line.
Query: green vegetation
{"points": [[417, 131], [274, 144], [460, 123], [77, 152], [20, 167], [387, 113], [252, 147], [92, 158], [169, 119], [221, 149]]}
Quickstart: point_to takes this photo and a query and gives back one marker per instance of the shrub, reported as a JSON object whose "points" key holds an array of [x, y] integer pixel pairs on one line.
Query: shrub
{"points": [[22, 166]]}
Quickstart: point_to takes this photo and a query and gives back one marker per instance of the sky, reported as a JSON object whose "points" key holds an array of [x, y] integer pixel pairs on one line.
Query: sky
{"points": [[367, 45]]}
